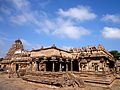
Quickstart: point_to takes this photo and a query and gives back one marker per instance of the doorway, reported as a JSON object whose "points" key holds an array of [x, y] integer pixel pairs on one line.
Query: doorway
{"points": [[17, 67], [49, 66], [75, 65]]}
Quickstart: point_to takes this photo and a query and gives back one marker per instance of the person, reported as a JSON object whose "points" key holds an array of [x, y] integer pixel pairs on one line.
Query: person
{"points": [[8, 72], [17, 72]]}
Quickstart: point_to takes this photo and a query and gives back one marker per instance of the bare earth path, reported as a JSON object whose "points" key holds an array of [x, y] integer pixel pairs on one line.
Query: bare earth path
{"points": [[19, 84]]}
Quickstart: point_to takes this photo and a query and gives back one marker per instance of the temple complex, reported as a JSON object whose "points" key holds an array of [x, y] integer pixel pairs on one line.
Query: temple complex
{"points": [[53, 59], [85, 63]]}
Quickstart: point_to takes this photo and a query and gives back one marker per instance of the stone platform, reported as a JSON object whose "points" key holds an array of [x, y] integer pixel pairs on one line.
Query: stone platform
{"points": [[96, 78], [63, 79]]}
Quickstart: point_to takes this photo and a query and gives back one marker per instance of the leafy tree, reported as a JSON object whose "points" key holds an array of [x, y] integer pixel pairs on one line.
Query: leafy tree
{"points": [[116, 54], [1, 59]]}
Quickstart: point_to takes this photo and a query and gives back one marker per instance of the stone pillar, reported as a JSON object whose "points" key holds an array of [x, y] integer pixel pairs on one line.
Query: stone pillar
{"points": [[87, 65], [30, 66], [71, 65], [36, 66], [82, 68], [67, 66], [79, 65], [60, 68], [39, 66], [12, 67], [44, 67], [44, 64], [53, 67]]}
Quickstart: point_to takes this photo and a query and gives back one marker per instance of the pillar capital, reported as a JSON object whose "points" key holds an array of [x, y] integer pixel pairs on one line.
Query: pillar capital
{"points": [[53, 58], [36, 59], [45, 58], [67, 60], [61, 59], [72, 60]]}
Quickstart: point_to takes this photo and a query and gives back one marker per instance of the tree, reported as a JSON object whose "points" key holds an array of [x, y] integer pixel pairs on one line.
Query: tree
{"points": [[1, 59], [116, 54]]}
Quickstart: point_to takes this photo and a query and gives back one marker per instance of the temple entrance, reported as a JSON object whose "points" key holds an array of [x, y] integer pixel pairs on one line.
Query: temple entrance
{"points": [[69, 66], [57, 65], [96, 66], [111, 64], [37, 66], [49, 66], [75, 65], [17, 67]]}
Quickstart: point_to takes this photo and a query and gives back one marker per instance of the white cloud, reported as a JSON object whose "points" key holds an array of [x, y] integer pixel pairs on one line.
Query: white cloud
{"points": [[26, 15], [111, 18], [2, 54], [3, 38], [111, 32], [69, 29], [57, 26], [43, 3], [2, 44], [64, 28], [19, 19], [5, 10], [21, 4], [79, 13], [48, 26]]}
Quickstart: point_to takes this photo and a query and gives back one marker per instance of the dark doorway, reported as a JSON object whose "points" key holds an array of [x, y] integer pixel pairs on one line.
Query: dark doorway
{"points": [[49, 66], [37, 66], [111, 64], [96, 66], [75, 65], [57, 65], [69, 66], [17, 67]]}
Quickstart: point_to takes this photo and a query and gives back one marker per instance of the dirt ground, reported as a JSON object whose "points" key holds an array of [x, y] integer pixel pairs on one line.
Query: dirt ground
{"points": [[19, 84]]}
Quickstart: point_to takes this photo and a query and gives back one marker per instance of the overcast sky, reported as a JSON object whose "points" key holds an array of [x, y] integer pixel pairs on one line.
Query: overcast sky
{"points": [[66, 23]]}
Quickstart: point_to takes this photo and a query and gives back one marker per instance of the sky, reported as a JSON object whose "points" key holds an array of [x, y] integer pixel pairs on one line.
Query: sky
{"points": [[65, 23]]}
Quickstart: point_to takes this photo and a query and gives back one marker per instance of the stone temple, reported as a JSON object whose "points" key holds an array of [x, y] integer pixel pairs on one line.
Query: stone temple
{"points": [[60, 67]]}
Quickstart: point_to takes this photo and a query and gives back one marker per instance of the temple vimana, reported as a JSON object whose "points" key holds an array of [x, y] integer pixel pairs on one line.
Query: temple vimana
{"points": [[55, 66]]}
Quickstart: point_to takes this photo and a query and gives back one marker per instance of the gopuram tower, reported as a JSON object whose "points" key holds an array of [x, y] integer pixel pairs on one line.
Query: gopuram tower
{"points": [[16, 46]]}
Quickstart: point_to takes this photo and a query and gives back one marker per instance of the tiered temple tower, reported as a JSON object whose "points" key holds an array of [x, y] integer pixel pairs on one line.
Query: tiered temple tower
{"points": [[16, 46]]}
